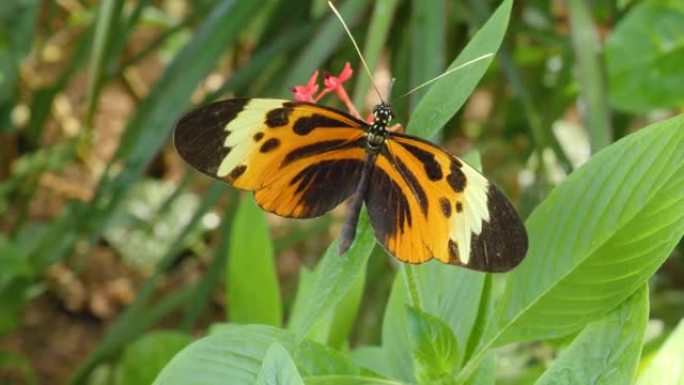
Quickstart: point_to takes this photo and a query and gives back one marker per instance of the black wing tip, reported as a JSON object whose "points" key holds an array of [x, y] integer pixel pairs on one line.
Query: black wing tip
{"points": [[503, 242], [199, 134]]}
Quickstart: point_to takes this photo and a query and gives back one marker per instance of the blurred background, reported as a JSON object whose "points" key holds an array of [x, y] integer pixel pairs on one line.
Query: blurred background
{"points": [[105, 234]]}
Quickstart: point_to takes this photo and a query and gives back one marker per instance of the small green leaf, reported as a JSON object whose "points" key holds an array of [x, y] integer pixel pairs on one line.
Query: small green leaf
{"points": [[233, 354], [645, 57], [446, 96], [278, 368], [144, 359], [666, 367], [607, 351], [433, 346], [252, 283]]}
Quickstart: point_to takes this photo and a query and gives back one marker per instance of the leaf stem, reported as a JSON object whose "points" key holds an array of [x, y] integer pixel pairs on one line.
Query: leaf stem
{"points": [[412, 285]]}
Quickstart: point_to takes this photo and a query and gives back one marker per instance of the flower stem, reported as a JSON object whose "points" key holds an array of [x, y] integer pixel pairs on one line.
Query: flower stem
{"points": [[412, 285]]}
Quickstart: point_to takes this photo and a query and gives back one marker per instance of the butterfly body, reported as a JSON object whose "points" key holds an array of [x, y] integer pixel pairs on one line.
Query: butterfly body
{"points": [[303, 159]]}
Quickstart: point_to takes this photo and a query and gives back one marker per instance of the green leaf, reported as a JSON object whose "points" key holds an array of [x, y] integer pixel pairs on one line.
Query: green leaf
{"points": [[607, 351], [233, 354], [447, 95], [590, 74], [350, 380], [433, 346], [334, 277], [598, 236], [17, 31], [428, 40], [278, 368], [645, 57], [596, 239], [378, 29], [144, 359], [252, 283], [666, 367]]}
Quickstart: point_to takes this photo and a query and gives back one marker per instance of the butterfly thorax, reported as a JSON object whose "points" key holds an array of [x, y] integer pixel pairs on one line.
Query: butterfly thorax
{"points": [[377, 132]]}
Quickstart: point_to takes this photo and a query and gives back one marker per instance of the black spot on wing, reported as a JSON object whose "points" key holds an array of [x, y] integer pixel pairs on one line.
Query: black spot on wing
{"points": [[269, 145], [324, 185], [445, 205], [388, 207], [199, 135], [432, 168], [456, 179], [258, 136], [305, 125], [459, 207], [502, 244], [278, 117], [322, 147], [236, 172]]}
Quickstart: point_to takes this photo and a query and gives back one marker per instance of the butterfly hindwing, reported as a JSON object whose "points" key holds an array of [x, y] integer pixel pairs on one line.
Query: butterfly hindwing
{"points": [[300, 159], [425, 203]]}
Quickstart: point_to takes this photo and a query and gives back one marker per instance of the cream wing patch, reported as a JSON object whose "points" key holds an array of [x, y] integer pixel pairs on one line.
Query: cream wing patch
{"points": [[474, 212], [246, 124]]}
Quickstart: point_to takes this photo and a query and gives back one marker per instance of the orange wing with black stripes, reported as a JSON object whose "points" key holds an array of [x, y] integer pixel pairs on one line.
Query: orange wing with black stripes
{"points": [[300, 159], [425, 203]]}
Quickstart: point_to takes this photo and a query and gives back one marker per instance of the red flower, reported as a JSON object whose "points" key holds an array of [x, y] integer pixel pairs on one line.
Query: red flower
{"points": [[332, 83], [305, 93]]}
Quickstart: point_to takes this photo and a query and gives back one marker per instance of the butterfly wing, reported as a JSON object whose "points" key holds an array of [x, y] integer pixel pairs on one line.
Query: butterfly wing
{"points": [[300, 159], [425, 203]]}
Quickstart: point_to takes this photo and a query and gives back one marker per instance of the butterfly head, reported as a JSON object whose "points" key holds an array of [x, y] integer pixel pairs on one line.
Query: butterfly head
{"points": [[382, 114], [377, 133]]}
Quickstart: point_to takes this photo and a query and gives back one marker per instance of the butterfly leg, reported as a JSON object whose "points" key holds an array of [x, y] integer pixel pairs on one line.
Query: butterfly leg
{"points": [[349, 227]]}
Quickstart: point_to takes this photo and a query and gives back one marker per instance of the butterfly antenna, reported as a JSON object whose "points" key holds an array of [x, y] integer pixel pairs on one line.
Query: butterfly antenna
{"points": [[358, 51], [485, 56]]}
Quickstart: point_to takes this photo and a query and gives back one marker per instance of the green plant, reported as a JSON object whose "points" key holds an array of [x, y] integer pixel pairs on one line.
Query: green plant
{"points": [[598, 232]]}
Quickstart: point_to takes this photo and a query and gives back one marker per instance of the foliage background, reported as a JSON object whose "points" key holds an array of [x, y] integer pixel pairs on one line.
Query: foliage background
{"points": [[114, 254]]}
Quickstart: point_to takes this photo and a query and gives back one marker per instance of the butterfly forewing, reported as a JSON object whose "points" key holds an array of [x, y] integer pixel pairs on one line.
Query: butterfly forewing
{"points": [[425, 203], [300, 159]]}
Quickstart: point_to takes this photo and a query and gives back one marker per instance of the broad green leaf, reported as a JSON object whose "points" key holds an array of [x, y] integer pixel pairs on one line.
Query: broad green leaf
{"points": [[252, 284], [607, 351], [233, 354], [486, 373], [666, 367], [598, 236], [335, 276], [434, 348], [645, 57], [350, 380], [596, 239], [144, 359], [278, 368], [446, 96]]}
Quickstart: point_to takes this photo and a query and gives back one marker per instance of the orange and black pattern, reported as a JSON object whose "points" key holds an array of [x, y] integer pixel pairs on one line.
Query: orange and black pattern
{"points": [[302, 160]]}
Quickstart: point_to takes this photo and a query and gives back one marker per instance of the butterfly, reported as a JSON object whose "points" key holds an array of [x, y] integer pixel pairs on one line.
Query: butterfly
{"points": [[302, 159]]}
